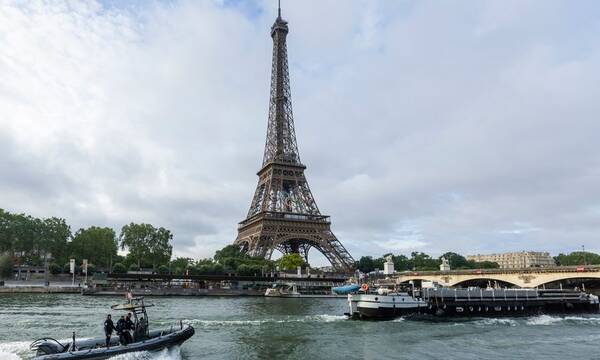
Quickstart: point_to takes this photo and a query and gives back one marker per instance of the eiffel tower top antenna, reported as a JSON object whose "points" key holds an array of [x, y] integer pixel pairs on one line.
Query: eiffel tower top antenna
{"points": [[279, 8]]}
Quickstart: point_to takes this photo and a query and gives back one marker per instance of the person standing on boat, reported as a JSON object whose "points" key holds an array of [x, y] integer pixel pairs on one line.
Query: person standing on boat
{"points": [[129, 328], [109, 326], [140, 331], [121, 330]]}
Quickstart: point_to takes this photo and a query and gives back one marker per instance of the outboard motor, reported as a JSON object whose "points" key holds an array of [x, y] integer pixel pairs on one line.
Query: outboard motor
{"points": [[46, 346]]}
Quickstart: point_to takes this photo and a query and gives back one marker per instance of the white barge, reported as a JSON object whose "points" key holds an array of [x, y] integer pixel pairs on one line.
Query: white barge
{"points": [[470, 302]]}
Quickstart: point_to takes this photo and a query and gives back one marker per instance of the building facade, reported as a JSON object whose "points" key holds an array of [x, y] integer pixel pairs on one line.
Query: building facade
{"points": [[515, 260]]}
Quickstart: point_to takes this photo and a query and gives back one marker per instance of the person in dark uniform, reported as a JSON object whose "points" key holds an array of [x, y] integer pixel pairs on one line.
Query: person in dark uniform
{"points": [[109, 326], [128, 328], [121, 330], [140, 331]]}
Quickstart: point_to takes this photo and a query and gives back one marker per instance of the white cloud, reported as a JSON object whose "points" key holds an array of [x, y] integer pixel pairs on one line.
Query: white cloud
{"points": [[452, 120]]}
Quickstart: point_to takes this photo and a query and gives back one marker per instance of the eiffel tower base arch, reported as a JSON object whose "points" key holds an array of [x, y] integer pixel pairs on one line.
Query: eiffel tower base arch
{"points": [[293, 235]]}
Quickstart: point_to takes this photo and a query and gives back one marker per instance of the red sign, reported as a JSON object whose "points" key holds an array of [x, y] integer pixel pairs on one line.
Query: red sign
{"points": [[580, 269]]}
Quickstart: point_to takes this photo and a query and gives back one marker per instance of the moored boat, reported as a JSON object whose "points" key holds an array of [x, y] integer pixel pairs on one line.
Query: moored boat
{"points": [[144, 339], [301, 290]]}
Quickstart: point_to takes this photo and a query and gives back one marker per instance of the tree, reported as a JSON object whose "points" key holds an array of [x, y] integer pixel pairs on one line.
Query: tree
{"points": [[6, 266], [181, 263], [424, 262], [229, 251], [244, 270], [119, 268], [7, 237], [486, 265], [291, 261], [134, 267], [54, 269], [218, 269], [577, 258], [456, 261], [97, 245], [366, 264], [163, 269], [205, 269], [145, 242], [56, 233]]}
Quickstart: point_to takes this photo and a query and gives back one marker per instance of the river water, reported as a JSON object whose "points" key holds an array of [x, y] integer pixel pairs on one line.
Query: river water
{"points": [[270, 328]]}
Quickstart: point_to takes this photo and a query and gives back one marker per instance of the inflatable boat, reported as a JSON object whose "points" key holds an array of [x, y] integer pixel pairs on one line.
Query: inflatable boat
{"points": [[143, 339]]}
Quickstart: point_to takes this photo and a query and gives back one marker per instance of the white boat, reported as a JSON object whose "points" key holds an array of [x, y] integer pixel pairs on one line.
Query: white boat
{"points": [[294, 290]]}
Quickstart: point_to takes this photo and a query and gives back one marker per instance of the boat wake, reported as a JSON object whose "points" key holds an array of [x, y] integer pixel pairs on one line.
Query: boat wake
{"points": [[323, 318], [540, 320], [546, 320], [19, 350], [497, 322], [165, 354], [15, 350]]}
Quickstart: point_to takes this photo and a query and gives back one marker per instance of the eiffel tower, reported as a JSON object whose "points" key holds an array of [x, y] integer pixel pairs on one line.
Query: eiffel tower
{"points": [[284, 215]]}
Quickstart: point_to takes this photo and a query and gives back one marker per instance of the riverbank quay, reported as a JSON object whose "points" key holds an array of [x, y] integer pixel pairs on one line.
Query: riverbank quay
{"points": [[145, 284], [38, 287]]}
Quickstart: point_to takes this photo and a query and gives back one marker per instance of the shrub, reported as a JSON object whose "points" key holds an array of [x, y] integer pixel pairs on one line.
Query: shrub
{"points": [[55, 269], [134, 267], [163, 269], [119, 268]]}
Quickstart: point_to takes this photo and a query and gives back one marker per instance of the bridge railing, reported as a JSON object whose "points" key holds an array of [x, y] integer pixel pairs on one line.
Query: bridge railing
{"points": [[554, 269]]}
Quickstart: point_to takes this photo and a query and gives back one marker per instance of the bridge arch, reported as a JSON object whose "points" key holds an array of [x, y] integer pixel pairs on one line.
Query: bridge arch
{"points": [[568, 276], [482, 281]]}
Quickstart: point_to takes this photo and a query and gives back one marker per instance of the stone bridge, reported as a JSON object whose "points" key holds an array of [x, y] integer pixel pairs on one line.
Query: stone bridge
{"points": [[526, 277]]}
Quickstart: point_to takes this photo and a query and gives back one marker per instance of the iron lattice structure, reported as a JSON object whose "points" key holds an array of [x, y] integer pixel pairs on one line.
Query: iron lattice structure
{"points": [[284, 215]]}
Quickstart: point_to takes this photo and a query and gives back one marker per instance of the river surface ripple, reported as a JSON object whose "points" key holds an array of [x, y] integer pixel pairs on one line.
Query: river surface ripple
{"points": [[268, 328]]}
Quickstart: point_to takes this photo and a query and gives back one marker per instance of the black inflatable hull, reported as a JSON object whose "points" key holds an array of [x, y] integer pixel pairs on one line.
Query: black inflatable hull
{"points": [[155, 343]]}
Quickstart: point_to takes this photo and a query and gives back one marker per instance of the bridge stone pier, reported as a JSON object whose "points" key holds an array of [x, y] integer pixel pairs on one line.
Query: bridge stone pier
{"points": [[526, 277]]}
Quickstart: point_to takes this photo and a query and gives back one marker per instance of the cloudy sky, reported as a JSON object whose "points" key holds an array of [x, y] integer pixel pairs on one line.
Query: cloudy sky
{"points": [[462, 125]]}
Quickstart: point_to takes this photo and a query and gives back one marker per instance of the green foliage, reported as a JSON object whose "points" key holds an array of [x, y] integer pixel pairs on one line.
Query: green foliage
{"points": [[91, 269], [248, 270], [119, 268], [424, 262], [419, 261], [366, 264], [456, 261], [181, 263], [230, 258], [134, 267], [577, 258], [229, 251], [291, 261], [145, 242], [6, 266], [485, 265], [244, 270], [56, 233], [33, 239], [55, 269], [205, 269], [163, 269], [218, 269], [98, 245]]}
